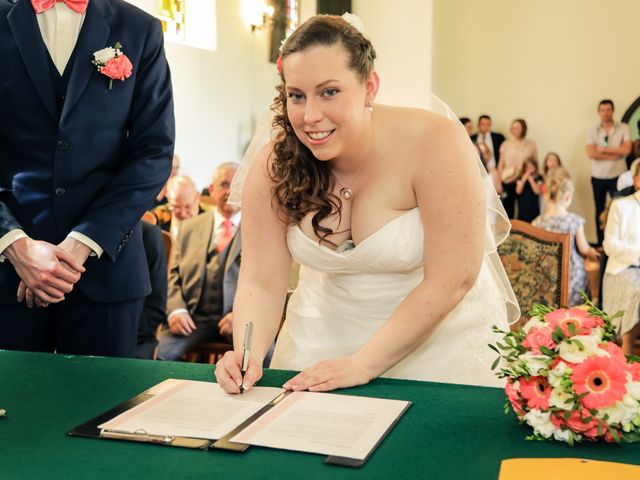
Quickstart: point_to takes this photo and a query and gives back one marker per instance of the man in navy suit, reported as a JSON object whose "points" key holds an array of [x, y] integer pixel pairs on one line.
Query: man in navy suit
{"points": [[82, 156], [491, 139]]}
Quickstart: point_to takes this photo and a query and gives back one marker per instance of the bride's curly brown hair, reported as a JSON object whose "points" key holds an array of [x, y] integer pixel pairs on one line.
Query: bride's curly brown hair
{"points": [[302, 184]]}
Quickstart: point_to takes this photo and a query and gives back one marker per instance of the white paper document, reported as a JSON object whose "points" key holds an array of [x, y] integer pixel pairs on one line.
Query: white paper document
{"points": [[328, 424], [184, 408]]}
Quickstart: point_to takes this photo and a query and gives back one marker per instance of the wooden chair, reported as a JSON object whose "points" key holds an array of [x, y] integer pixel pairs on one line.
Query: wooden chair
{"points": [[211, 352], [537, 264], [208, 201], [168, 243]]}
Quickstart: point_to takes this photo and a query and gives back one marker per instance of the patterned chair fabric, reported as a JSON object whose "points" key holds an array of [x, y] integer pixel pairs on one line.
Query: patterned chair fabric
{"points": [[537, 264]]}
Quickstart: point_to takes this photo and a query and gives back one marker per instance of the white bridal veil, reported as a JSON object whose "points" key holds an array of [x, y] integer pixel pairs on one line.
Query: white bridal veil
{"points": [[497, 223]]}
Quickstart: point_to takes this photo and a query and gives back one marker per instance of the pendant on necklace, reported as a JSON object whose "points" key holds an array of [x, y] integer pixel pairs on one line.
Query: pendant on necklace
{"points": [[346, 193]]}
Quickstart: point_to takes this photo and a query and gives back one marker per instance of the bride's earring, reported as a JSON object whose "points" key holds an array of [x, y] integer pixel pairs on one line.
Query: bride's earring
{"points": [[369, 107]]}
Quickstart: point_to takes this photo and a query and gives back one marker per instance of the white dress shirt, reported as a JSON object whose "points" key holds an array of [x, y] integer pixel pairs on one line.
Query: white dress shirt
{"points": [[622, 234], [488, 141], [60, 27], [218, 225]]}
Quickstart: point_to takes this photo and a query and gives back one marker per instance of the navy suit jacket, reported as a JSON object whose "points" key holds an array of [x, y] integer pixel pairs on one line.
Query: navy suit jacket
{"points": [[497, 139], [97, 166]]}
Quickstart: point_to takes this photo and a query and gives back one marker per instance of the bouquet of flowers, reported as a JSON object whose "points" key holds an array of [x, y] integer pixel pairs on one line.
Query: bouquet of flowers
{"points": [[568, 379]]}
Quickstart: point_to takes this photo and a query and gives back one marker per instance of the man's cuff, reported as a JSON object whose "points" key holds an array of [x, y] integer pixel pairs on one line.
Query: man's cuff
{"points": [[177, 311], [96, 249], [8, 239]]}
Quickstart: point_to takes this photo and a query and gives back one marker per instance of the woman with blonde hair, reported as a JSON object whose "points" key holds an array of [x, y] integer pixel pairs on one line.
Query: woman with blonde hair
{"points": [[557, 218]]}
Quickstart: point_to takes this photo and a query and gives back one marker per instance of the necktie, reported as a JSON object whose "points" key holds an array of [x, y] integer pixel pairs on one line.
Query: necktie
{"points": [[227, 233], [78, 6]]}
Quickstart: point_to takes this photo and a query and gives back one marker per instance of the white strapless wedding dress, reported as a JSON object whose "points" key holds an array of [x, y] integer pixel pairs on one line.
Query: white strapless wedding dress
{"points": [[343, 298]]}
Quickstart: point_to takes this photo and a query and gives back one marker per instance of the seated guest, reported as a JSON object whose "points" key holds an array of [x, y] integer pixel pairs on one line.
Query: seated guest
{"points": [[154, 310], [621, 289], [635, 148], [558, 218], [205, 261], [625, 181], [183, 202]]}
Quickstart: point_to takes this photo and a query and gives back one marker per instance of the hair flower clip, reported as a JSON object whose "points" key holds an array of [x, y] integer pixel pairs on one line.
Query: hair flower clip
{"points": [[354, 20]]}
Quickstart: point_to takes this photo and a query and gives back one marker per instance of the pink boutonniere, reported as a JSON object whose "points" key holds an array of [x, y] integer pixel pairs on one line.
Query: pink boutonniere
{"points": [[112, 63]]}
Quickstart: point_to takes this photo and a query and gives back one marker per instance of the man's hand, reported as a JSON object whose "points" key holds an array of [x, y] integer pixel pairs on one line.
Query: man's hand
{"points": [[181, 324], [225, 325], [77, 249], [49, 271]]}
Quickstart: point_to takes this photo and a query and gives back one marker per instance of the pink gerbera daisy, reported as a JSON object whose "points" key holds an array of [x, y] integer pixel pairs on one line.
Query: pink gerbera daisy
{"points": [[536, 391], [603, 379], [580, 319], [614, 352]]}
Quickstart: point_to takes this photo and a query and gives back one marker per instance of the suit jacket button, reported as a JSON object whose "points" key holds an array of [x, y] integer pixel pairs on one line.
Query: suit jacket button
{"points": [[60, 192], [62, 145]]}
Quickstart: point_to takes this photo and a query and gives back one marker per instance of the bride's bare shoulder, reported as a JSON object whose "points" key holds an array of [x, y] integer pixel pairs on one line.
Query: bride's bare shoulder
{"points": [[424, 132]]}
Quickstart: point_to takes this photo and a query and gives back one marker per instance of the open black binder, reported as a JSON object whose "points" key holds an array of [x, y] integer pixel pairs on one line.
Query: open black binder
{"points": [[90, 429]]}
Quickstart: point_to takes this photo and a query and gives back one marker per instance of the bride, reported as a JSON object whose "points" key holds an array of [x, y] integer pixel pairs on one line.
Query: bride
{"points": [[386, 210]]}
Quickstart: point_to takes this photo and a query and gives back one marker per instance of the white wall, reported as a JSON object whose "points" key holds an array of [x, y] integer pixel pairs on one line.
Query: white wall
{"points": [[547, 61], [219, 95], [401, 34]]}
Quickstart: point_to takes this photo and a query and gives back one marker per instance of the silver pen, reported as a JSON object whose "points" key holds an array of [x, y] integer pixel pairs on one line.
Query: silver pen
{"points": [[248, 333]]}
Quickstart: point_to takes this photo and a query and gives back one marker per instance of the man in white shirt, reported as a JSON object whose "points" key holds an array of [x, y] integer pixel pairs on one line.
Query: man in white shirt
{"points": [[608, 144], [205, 260], [87, 133]]}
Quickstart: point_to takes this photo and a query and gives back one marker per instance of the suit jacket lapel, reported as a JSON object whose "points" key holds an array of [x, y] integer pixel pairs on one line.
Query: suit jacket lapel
{"points": [[26, 32], [234, 250], [205, 234], [93, 37]]}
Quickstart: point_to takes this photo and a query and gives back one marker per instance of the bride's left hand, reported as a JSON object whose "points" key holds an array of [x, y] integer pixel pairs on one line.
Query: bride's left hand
{"points": [[330, 374]]}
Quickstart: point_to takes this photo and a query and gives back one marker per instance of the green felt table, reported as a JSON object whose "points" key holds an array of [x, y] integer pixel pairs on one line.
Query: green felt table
{"points": [[450, 431]]}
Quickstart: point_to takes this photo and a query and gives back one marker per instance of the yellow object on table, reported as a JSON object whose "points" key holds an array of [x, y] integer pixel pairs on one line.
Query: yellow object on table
{"points": [[565, 468]]}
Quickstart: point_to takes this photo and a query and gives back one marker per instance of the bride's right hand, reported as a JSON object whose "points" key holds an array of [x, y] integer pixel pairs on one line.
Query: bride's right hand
{"points": [[229, 376]]}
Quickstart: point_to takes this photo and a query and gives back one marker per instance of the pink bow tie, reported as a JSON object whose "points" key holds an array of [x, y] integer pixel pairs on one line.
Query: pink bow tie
{"points": [[78, 6]]}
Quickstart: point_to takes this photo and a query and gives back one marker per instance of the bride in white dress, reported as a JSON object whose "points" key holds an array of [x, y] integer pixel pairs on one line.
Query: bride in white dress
{"points": [[386, 210]]}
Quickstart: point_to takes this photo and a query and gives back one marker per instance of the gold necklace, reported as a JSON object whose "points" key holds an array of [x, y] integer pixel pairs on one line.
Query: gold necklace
{"points": [[345, 191]]}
